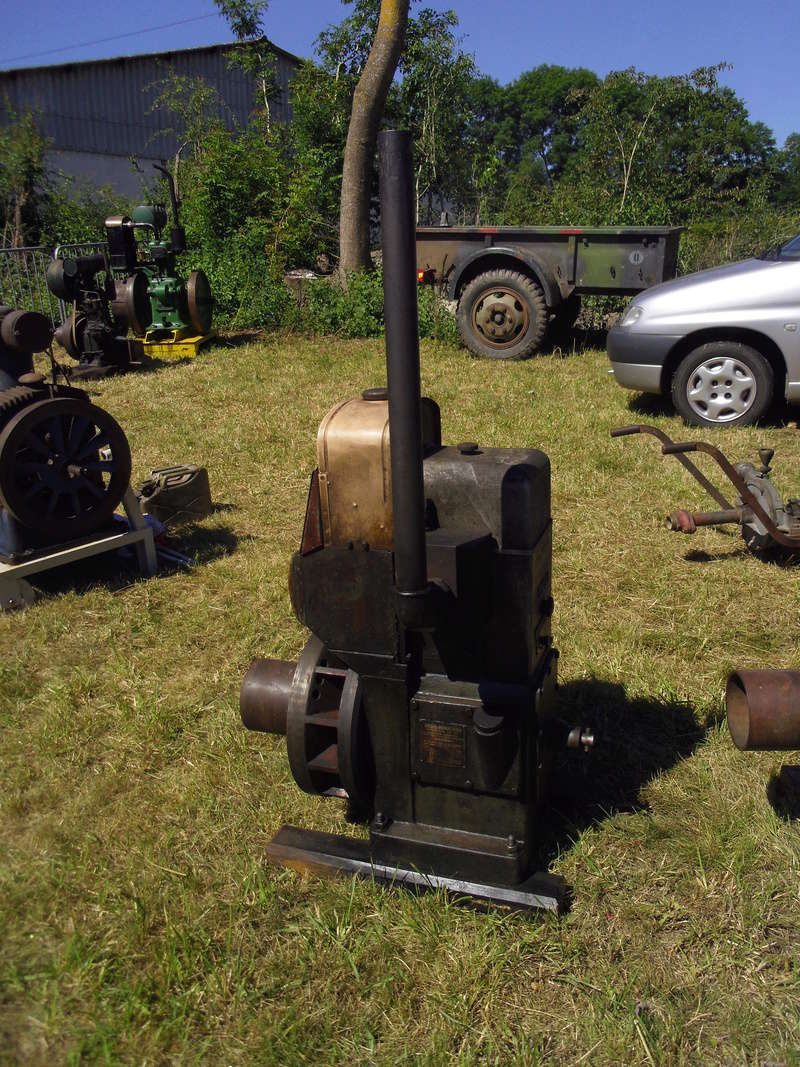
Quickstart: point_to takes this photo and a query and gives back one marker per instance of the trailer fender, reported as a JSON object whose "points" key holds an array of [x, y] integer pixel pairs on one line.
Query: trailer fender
{"points": [[498, 256]]}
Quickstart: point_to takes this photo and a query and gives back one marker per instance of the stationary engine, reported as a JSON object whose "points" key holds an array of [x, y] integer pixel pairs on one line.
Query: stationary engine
{"points": [[425, 694], [178, 308], [765, 520], [64, 463], [103, 310]]}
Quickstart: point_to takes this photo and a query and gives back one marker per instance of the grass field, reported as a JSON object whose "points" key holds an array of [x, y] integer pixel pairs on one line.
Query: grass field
{"points": [[139, 923]]}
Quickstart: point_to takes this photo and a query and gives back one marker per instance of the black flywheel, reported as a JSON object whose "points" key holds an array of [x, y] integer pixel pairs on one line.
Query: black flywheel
{"points": [[64, 467], [200, 301], [71, 333]]}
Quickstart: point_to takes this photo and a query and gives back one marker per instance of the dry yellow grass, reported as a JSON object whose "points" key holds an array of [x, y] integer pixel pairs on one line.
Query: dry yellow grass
{"points": [[139, 924]]}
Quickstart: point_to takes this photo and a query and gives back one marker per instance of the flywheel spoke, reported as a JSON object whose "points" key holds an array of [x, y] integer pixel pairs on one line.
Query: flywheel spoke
{"points": [[33, 442], [95, 490], [100, 440]]}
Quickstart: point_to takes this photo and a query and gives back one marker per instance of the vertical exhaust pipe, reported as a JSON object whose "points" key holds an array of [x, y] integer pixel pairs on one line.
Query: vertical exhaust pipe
{"points": [[402, 372]]}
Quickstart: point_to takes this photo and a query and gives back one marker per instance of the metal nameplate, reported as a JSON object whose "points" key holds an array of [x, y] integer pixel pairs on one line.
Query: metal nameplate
{"points": [[443, 744]]}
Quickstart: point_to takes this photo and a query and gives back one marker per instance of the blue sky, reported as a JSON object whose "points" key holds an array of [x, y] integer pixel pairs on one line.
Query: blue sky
{"points": [[759, 39]]}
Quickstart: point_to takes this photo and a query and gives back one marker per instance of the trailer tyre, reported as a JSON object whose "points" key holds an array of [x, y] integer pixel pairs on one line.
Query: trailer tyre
{"points": [[502, 314], [722, 383]]}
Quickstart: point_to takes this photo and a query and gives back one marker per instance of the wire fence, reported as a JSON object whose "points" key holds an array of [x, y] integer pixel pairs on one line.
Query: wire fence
{"points": [[23, 282]]}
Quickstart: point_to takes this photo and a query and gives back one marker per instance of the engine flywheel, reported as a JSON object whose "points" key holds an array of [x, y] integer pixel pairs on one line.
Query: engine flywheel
{"points": [[64, 467]]}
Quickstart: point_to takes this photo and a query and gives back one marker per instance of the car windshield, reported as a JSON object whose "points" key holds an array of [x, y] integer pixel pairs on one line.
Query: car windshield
{"points": [[790, 250]]}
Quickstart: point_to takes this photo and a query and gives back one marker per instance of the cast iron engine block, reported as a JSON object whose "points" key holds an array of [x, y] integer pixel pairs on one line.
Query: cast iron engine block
{"points": [[425, 694]]}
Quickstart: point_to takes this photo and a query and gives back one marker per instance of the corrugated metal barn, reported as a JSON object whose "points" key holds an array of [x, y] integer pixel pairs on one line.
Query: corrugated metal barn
{"points": [[97, 115]]}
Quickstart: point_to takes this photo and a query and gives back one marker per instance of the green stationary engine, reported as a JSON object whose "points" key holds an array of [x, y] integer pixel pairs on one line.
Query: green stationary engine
{"points": [[181, 310]]}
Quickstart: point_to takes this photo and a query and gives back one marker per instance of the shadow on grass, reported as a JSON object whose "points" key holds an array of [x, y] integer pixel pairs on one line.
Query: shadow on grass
{"points": [[572, 342], [240, 338], [636, 739], [153, 364], [655, 405], [652, 406], [777, 556], [783, 792], [206, 543], [118, 570], [774, 557]]}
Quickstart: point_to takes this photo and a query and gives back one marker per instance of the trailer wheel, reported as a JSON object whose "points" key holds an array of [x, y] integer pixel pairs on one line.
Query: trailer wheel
{"points": [[502, 314]]}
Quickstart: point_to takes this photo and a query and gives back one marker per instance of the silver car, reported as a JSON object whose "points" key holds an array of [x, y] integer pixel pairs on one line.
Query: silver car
{"points": [[724, 342]]}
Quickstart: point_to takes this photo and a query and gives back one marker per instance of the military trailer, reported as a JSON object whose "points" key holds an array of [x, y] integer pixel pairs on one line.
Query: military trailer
{"points": [[512, 284]]}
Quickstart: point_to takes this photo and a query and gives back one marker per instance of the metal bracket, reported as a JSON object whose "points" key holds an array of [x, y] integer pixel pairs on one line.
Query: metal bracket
{"points": [[13, 588]]}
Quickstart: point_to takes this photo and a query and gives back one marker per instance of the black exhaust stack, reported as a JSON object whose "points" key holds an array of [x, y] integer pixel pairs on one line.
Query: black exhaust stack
{"points": [[402, 371], [177, 235]]}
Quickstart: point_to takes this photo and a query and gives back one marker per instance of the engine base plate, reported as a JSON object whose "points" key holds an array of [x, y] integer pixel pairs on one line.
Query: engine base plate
{"points": [[310, 851]]}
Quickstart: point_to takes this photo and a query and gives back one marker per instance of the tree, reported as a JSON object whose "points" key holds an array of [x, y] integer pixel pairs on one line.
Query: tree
{"points": [[244, 17], [541, 117], [369, 100], [429, 96], [789, 176], [666, 149], [198, 108], [22, 178], [254, 54], [430, 101]]}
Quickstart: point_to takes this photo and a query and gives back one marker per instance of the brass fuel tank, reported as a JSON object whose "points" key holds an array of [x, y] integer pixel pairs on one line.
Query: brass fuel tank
{"points": [[355, 474]]}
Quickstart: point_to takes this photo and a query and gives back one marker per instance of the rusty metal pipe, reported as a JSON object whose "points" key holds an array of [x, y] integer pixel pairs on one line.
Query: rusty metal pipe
{"points": [[747, 498], [264, 696], [764, 710], [687, 521]]}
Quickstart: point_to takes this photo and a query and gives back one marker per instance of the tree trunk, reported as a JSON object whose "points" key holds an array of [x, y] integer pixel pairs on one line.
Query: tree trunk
{"points": [[368, 103]]}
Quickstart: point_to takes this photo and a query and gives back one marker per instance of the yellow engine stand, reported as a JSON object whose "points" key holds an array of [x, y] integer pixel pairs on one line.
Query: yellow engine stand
{"points": [[174, 344]]}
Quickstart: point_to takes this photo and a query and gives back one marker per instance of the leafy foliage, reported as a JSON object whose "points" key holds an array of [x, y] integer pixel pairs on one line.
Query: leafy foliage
{"points": [[654, 150], [38, 206], [558, 145], [244, 17], [357, 310], [22, 174], [788, 191], [74, 211]]}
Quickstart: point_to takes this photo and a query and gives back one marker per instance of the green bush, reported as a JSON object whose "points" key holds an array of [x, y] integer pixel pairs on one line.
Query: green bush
{"points": [[748, 233], [357, 311], [436, 320], [74, 211]]}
